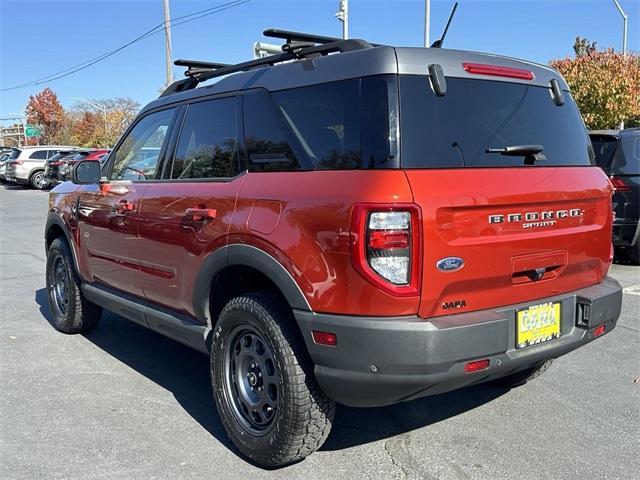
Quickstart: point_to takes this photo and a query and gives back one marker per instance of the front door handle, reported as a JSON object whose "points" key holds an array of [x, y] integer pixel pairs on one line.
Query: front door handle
{"points": [[124, 206], [199, 214]]}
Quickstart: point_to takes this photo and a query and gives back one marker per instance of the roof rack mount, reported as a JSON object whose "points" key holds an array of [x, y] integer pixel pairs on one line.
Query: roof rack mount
{"points": [[298, 46]]}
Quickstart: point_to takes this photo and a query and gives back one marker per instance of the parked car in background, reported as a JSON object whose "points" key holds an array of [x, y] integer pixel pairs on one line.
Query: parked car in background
{"points": [[618, 154], [59, 166], [25, 165], [4, 155]]}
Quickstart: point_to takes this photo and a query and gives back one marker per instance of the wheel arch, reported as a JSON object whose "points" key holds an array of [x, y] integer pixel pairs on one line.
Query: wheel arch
{"points": [[56, 228], [237, 259]]}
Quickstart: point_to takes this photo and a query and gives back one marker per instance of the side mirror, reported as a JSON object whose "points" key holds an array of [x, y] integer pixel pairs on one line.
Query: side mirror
{"points": [[86, 172]]}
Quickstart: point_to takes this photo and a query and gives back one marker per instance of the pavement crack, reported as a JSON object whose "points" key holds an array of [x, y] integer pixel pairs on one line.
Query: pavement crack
{"points": [[397, 465]]}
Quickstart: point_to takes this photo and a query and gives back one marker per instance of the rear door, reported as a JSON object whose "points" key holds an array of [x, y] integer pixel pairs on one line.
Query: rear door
{"points": [[187, 215], [108, 212], [521, 232]]}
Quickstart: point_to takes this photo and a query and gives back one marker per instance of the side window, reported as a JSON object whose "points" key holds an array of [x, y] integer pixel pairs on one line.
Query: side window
{"points": [[137, 157], [267, 147], [326, 121], [208, 144], [39, 155], [52, 153]]}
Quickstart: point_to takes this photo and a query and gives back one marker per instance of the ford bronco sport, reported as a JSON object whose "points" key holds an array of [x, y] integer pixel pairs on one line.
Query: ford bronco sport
{"points": [[344, 222]]}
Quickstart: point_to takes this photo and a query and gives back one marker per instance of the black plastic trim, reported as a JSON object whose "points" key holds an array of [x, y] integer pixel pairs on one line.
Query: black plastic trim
{"points": [[176, 327]]}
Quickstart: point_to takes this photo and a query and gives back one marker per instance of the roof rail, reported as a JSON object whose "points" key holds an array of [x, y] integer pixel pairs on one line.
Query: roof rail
{"points": [[298, 46]]}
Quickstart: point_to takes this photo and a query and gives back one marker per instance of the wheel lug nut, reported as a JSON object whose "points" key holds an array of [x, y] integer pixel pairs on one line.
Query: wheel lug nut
{"points": [[260, 374]]}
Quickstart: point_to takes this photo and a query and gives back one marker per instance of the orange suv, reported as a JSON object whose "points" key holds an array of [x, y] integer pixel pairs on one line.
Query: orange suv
{"points": [[344, 222]]}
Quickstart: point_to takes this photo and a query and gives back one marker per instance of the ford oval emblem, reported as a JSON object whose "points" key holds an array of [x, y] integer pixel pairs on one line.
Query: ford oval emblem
{"points": [[450, 264]]}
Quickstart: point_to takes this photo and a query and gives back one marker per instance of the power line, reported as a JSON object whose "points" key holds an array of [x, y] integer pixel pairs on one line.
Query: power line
{"points": [[157, 29]]}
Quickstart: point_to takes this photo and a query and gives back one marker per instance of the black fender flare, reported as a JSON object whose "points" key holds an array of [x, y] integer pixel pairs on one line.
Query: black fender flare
{"points": [[248, 256], [55, 219]]}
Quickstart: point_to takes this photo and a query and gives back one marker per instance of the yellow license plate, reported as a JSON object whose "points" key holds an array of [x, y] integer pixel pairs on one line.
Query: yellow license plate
{"points": [[537, 324]]}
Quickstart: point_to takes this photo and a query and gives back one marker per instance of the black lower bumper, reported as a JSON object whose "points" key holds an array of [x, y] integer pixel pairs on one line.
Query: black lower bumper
{"points": [[380, 361]]}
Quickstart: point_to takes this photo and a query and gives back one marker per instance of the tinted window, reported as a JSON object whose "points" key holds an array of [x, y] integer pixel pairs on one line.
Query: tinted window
{"points": [[350, 124], [631, 148], [137, 157], [39, 155], [52, 153], [604, 148], [267, 147], [475, 115], [208, 143], [15, 153]]}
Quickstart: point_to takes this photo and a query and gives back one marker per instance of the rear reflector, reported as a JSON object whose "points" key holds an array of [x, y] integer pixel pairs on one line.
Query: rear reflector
{"points": [[497, 71], [324, 338], [599, 331], [476, 365]]}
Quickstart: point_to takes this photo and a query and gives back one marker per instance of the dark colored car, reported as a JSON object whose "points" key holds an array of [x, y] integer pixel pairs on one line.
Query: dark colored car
{"points": [[617, 152], [344, 222], [58, 167]]}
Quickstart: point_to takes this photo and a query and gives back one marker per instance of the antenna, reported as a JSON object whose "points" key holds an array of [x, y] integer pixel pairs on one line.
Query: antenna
{"points": [[438, 43]]}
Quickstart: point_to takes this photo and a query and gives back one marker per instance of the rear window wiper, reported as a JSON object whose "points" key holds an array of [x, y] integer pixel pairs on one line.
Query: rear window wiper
{"points": [[531, 153]]}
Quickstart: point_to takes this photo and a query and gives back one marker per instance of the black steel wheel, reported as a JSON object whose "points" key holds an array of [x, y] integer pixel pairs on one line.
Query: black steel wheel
{"points": [[250, 380], [263, 383], [70, 311]]}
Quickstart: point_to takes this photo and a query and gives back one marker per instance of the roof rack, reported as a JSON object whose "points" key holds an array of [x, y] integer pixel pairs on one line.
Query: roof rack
{"points": [[298, 46]]}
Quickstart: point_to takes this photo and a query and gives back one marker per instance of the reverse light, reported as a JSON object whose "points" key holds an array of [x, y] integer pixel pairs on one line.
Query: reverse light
{"points": [[324, 338], [619, 185], [476, 365], [385, 244], [497, 71]]}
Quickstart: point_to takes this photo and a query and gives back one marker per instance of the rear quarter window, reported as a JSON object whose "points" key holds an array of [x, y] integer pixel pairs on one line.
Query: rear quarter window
{"points": [[39, 155], [475, 115]]}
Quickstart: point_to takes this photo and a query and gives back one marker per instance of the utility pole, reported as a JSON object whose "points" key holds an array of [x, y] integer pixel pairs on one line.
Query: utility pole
{"points": [[427, 22], [343, 16], [624, 27], [624, 37], [167, 40]]}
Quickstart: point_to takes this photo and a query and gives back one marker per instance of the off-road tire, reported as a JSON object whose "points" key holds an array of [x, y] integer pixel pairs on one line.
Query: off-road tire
{"points": [[520, 378], [79, 315], [38, 180], [303, 415]]}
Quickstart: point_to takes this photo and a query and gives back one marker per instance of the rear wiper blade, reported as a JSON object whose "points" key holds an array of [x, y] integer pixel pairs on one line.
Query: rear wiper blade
{"points": [[531, 153]]}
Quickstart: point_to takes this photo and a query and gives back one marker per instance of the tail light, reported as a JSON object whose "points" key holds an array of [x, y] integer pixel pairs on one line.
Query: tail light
{"points": [[619, 185], [386, 247], [16, 162], [56, 163]]}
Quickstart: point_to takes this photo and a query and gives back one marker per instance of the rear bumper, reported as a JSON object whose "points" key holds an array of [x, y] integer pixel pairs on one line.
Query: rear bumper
{"points": [[625, 234], [414, 357]]}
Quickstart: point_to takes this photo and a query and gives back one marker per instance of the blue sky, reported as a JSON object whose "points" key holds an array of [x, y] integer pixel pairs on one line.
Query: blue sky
{"points": [[38, 38]]}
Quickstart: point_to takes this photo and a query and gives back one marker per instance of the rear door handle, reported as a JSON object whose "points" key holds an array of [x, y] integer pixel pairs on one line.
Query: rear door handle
{"points": [[199, 214]]}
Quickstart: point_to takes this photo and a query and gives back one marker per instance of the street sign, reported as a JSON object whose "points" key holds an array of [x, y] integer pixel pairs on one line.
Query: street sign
{"points": [[32, 131]]}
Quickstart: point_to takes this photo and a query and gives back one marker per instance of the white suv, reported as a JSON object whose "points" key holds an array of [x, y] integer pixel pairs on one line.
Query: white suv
{"points": [[25, 165]]}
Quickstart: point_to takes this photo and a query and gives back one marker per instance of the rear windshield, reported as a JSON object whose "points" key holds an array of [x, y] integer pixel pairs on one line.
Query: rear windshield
{"points": [[617, 156], [475, 115], [15, 153]]}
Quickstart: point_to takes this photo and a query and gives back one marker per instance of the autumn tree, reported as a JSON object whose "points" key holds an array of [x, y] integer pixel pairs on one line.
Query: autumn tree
{"points": [[101, 122], [582, 47], [45, 110], [604, 84]]}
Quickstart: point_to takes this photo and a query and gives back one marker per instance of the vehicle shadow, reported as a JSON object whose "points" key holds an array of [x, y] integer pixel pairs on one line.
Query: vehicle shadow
{"points": [[185, 373]]}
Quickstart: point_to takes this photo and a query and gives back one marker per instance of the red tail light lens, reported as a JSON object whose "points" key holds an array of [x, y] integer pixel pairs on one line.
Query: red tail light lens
{"points": [[56, 164], [598, 331], [476, 365], [498, 71], [386, 247], [619, 185], [324, 338]]}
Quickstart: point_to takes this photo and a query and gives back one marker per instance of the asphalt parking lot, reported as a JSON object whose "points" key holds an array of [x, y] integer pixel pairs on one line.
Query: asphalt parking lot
{"points": [[124, 402]]}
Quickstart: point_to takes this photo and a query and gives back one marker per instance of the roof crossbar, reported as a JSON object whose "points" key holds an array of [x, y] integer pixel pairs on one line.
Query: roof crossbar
{"points": [[298, 46]]}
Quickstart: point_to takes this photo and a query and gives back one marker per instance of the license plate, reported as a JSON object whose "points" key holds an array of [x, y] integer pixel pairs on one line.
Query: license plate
{"points": [[537, 324]]}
